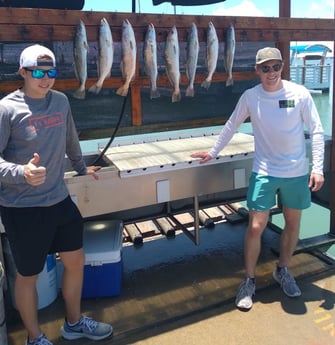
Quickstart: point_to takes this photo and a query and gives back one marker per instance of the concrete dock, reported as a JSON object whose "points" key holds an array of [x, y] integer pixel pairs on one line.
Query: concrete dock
{"points": [[176, 292]]}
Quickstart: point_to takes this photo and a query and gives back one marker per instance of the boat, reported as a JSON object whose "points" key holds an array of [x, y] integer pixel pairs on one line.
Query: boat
{"points": [[311, 65], [184, 277]]}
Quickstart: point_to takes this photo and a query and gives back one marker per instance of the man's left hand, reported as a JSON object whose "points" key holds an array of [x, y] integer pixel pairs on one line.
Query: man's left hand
{"points": [[315, 182], [91, 170]]}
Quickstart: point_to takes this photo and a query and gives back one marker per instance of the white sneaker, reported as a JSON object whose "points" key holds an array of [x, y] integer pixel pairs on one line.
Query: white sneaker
{"points": [[41, 340], [244, 295], [86, 327]]}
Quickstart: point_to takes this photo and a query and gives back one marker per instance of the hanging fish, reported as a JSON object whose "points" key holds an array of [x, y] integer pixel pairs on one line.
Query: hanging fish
{"points": [[192, 59], [128, 60], [229, 52], [212, 44], [80, 50], [172, 62], [106, 55], [150, 59]]}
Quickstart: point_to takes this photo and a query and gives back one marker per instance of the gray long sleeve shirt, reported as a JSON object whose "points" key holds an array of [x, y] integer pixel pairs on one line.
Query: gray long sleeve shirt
{"points": [[44, 126]]}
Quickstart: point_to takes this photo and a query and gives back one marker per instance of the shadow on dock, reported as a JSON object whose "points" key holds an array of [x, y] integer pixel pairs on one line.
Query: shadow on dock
{"points": [[170, 283]]}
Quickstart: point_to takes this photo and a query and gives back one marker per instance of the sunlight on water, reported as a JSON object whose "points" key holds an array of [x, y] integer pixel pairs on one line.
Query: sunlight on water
{"points": [[317, 219], [324, 107], [314, 221]]}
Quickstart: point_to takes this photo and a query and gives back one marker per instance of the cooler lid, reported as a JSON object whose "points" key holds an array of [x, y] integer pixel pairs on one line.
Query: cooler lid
{"points": [[102, 240]]}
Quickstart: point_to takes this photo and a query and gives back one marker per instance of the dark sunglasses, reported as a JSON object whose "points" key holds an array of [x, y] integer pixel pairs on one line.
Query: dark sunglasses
{"points": [[275, 68], [40, 73]]}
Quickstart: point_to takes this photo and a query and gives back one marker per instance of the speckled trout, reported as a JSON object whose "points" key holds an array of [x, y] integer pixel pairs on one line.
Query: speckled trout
{"points": [[128, 61], [106, 55], [229, 52], [192, 59], [172, 62], [150, 59], [212, 46], [80, 50]]}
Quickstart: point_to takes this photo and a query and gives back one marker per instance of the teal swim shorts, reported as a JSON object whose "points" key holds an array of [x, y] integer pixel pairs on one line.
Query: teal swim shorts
{"points": [[292, 192]]}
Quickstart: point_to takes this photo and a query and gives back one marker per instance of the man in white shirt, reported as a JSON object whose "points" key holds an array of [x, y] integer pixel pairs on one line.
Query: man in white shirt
{"points": [[279, 110]]}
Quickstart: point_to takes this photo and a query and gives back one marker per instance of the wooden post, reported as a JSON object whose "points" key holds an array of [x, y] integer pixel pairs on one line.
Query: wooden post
{"points": [[284, 46], [136, 103], [135, 97], [285, 8], [332, 163]]}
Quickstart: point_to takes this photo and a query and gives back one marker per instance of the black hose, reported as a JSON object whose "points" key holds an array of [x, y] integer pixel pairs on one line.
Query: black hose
{"points": [[114, 133]]}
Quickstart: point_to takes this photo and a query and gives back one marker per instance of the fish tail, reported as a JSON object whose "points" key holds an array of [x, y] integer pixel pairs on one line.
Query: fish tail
{"points": [[189, 91], [229, 81], [123, 90], [154, 93], [79, 93], [206, 84], [176, 96], [94, 89]]}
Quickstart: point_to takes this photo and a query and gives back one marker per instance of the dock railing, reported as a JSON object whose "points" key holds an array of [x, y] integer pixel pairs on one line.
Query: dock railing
{"points": [[314, 77]]}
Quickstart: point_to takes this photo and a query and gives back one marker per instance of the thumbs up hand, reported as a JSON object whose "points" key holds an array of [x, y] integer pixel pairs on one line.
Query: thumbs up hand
{"points": [[33, 174]]}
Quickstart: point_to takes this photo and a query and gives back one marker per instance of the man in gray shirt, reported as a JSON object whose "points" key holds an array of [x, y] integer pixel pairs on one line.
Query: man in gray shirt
{"points": [[37, 130]]}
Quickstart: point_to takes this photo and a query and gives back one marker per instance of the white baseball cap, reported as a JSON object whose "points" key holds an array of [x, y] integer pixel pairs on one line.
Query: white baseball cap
{"points": [[30, 55], [267, 54]]}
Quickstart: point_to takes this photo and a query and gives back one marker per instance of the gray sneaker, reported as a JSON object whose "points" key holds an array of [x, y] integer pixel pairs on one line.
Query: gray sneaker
{"points": [[86, 327], [287, 282], [244, 295], [41, 340]]}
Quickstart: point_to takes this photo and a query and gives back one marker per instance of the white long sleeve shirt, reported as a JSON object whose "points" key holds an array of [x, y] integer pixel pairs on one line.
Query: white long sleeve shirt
{"points": [[278, 120]]}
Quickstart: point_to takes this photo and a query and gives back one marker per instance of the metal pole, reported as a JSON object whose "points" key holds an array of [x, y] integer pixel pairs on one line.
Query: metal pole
{"points": [[196, 220], [332, 161]]}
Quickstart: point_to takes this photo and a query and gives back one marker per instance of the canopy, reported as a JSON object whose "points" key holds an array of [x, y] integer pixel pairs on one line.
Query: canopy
{"points": [[51, 4], [187, 2], [313, 48]]}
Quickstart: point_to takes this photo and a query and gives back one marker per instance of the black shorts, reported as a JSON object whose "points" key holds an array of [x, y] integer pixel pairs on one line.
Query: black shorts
{"points": [[35, 232]]}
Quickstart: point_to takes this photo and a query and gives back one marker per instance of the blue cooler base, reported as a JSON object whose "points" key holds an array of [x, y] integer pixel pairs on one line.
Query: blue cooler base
{"points": [[102, 243], [102, 281]]}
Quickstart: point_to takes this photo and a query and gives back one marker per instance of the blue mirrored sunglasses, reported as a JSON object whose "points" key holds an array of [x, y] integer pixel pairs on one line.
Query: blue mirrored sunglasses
{"points": [[40, 73]]}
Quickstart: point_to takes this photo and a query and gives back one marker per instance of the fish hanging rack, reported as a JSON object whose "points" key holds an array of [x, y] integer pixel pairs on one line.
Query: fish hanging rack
{"points": [[56, 28]]}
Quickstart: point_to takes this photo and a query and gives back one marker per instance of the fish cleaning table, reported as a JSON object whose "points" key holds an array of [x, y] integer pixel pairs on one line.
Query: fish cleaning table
{"points": [[159, 172], [157, 156]]}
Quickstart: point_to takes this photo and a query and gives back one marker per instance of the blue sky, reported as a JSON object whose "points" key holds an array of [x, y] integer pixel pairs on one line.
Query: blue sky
{"points": [[263, 8]]}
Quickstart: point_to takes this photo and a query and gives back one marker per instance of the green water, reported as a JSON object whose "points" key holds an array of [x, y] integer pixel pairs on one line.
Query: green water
{"points": [[316, 220], [324, 106]]}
